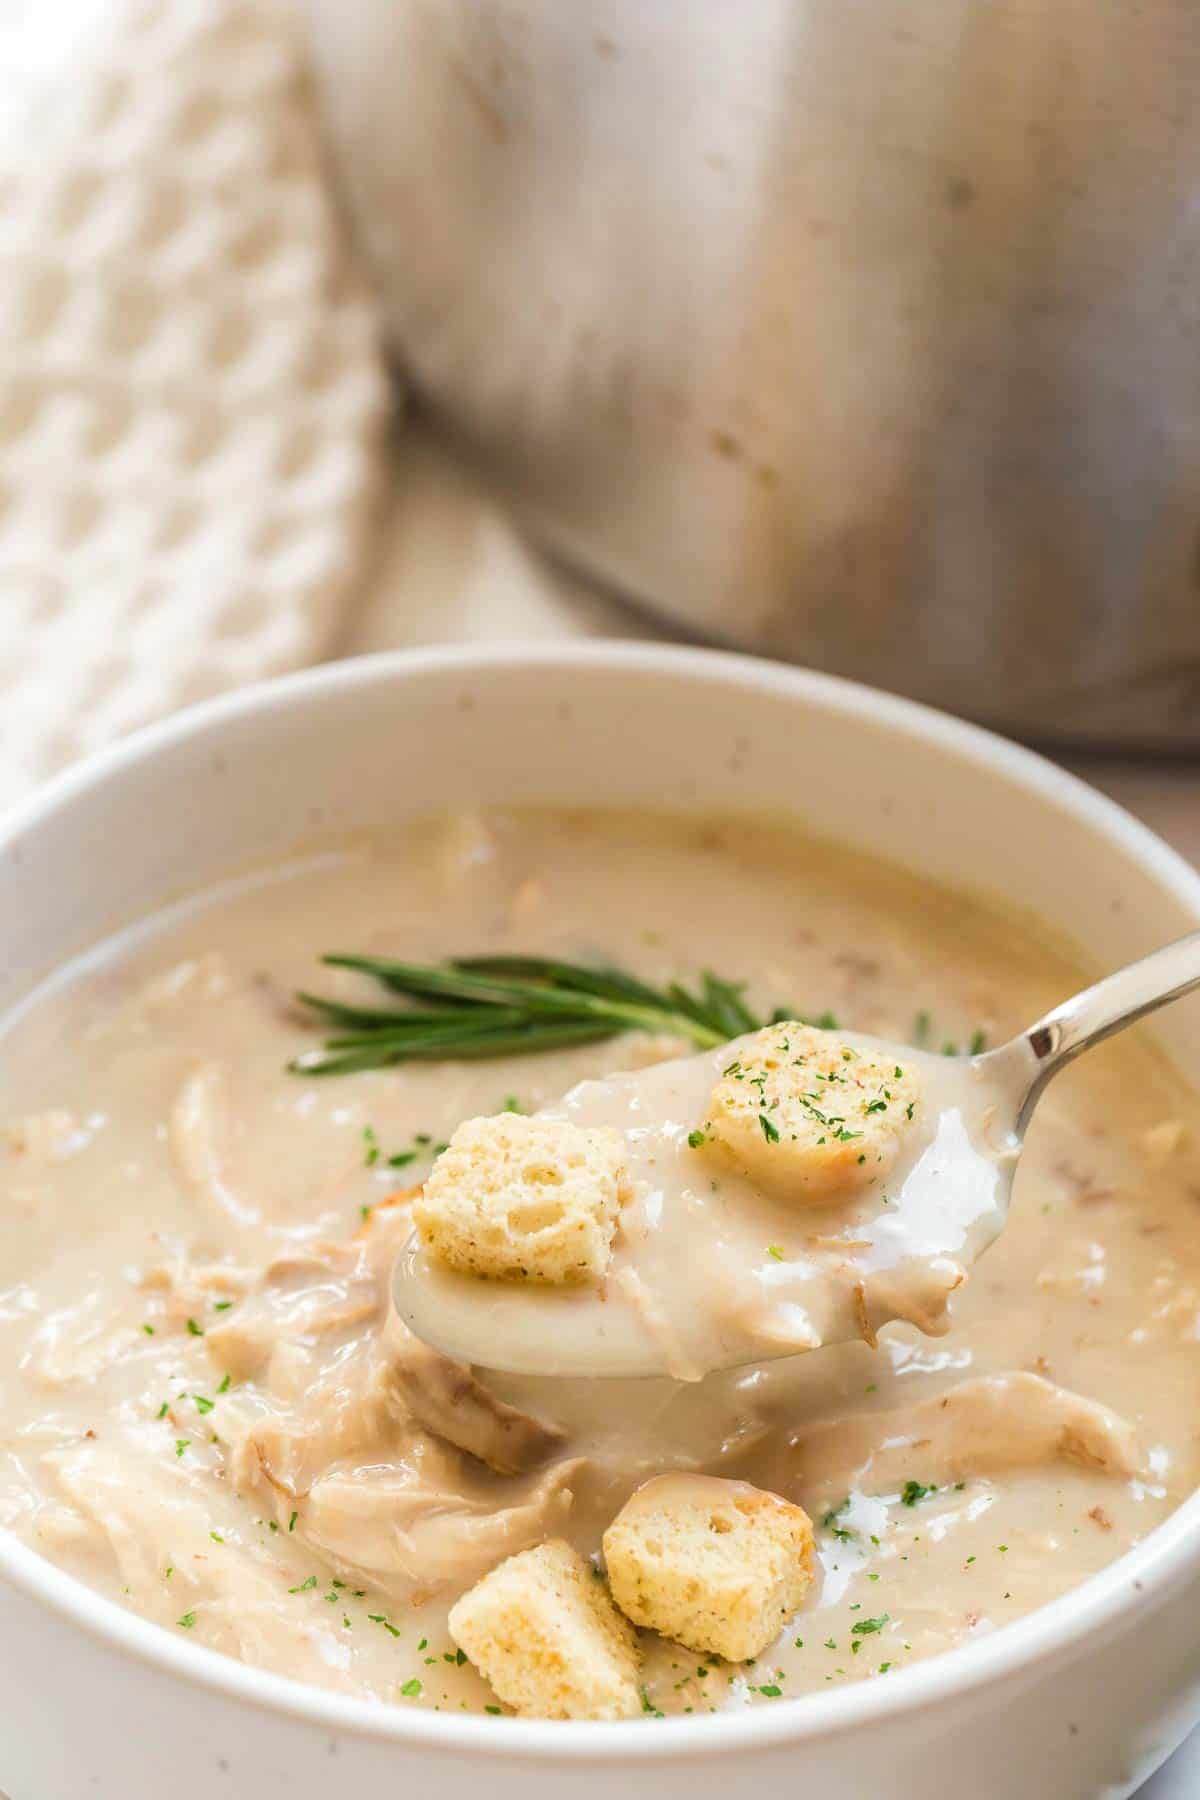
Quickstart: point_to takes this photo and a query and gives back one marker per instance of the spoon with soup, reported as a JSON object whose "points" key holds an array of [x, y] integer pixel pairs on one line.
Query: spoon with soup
{"points": [[790, 1189]]}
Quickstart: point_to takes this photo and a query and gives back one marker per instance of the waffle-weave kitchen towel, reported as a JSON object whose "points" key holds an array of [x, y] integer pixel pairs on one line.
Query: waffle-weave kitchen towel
{"points": [[192, 394]]}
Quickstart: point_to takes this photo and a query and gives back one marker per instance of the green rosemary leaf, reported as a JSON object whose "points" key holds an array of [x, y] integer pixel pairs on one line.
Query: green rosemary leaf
{"points": [[486, 1006], [534, 997], [609, 984], [538, 999], [687, 1004], [460, 1026], [447, 984], [725, 1006], [373, 1016], [380, 1053]]}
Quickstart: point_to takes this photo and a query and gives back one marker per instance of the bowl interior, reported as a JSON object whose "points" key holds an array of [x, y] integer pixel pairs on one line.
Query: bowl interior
{"points": [[363, 746]]}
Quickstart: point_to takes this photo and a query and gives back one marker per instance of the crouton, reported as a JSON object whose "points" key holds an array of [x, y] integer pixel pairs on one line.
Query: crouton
{"points": [[807, 1116], [520, 1199], [719, 1566], [542, 1629]]}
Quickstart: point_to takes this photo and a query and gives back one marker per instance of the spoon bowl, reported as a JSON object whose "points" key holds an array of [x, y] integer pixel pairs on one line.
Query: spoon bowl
{"points": [[711, 1273]]}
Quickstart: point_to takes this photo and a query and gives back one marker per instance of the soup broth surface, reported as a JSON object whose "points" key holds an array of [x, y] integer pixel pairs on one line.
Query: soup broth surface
{"points": [[204, 1412]]}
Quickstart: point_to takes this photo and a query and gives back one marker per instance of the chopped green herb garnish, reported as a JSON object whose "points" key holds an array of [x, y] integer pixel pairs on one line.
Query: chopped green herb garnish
{"points": [[695, 1139], [163, 1410], [222, 1305], [978, 1043], [775, 1251], [187, 1621], [865, 1627], [292, 1521], [226, 1382], [495, 1710], [203, 1405], [769, 1130], [181, 1444], [371, 1147], [912, 1491], [149, 1330], [194, 1330], [304, 1586], [411, 1688], [770, 1690], [216, 1537]]}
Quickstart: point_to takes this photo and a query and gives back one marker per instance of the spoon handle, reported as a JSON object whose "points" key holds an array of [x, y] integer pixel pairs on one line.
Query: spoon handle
{"points": [[1109, 1006]]}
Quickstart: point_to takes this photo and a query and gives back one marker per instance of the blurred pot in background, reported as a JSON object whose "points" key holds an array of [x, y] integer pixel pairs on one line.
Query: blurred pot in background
{"points": [[864, 332]]}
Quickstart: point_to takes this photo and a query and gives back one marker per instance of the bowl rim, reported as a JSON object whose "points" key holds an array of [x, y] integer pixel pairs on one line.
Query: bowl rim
{"points": [[1052, 1634]]}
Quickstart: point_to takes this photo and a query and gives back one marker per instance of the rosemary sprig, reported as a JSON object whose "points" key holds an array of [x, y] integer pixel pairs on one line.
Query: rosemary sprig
{"points": [[483, 1006]]}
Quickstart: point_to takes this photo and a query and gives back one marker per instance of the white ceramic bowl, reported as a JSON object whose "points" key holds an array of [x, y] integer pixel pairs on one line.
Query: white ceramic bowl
{"points": [[1081, 1700]]}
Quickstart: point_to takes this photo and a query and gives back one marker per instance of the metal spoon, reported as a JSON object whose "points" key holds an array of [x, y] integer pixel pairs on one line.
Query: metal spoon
{"points": [[699, 1280]]}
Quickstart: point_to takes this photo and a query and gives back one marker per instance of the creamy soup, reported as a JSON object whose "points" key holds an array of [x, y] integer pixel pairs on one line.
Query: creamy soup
{"points": [[207, 1412], [710, 1269]]}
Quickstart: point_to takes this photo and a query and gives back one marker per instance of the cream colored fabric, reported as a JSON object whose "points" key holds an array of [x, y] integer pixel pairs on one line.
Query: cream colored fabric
{"points": [[191, 386]]}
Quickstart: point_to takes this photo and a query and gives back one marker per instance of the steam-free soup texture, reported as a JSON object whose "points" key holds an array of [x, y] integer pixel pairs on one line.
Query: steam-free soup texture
{"points": [[207, 1413]]}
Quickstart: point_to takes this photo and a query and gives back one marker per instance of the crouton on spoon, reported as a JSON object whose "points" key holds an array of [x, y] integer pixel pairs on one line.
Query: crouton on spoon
{"points": [[791, 1189]]}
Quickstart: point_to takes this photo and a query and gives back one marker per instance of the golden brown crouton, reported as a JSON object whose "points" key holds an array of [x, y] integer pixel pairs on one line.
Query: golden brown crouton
{"points": [[807, 1116], [519, 1199], [544, 1632], [718, 1565]]}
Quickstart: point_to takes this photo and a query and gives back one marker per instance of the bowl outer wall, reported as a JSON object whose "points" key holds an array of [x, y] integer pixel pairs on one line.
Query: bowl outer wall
{"points": [[1083, 1698]]}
